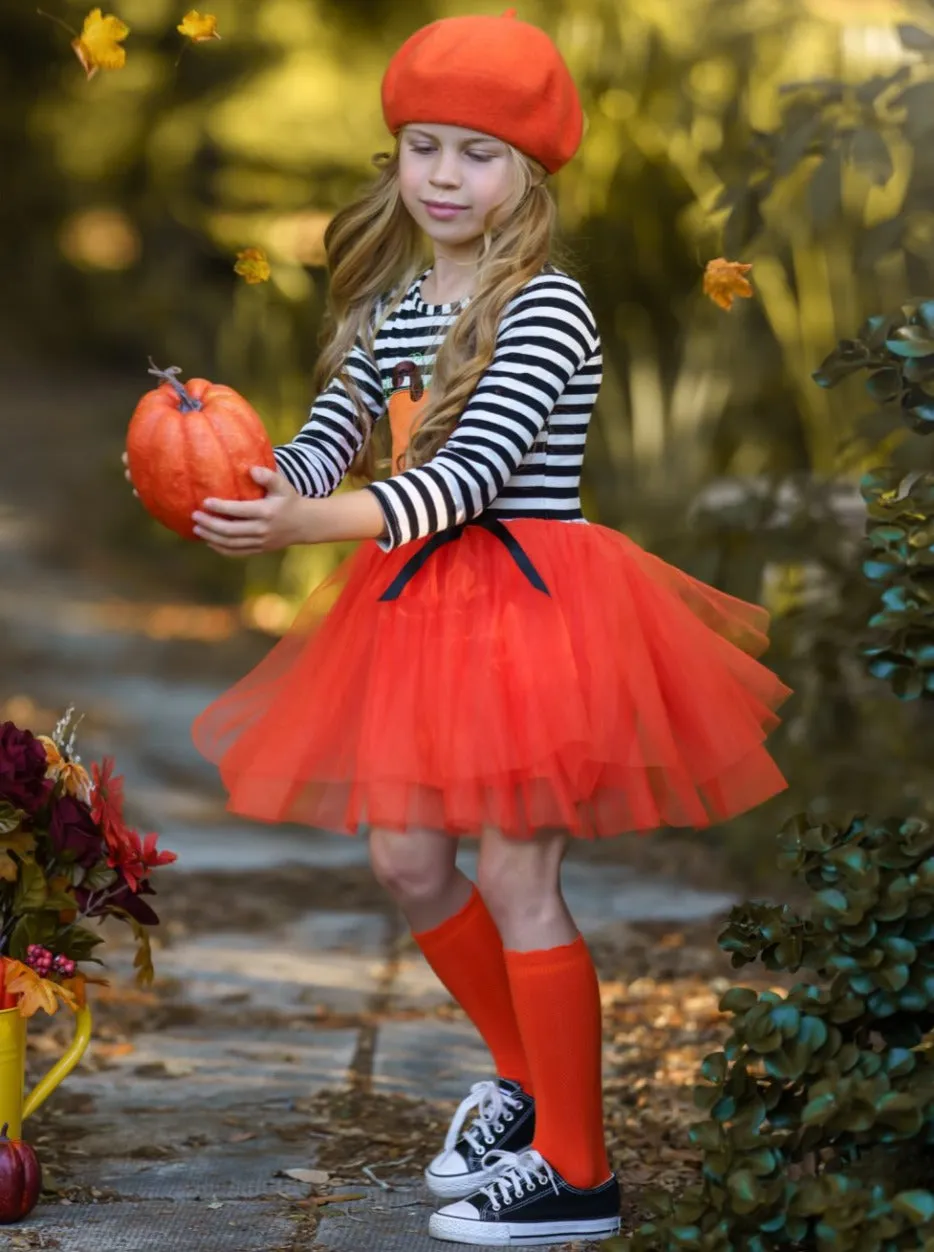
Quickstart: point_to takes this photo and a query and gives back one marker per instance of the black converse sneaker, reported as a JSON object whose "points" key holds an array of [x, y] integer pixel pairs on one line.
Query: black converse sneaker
{"points": [[529, 1205], [505, 1121]]}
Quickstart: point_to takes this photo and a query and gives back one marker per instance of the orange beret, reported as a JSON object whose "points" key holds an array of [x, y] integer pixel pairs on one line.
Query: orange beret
{"points": [[493, 74]]}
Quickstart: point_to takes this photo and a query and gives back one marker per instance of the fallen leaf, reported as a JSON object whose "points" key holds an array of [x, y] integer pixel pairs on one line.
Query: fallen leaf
{"points": [[111, 1050], [724, 281], [320, 1200], [253, 265], [314, 1177], [98, 45], [198, 26], [216, 1204], [164, 1069], [242, 1137]]}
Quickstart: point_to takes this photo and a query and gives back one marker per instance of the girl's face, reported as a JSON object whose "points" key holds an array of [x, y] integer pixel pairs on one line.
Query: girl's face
{"points": [[451, 179]]}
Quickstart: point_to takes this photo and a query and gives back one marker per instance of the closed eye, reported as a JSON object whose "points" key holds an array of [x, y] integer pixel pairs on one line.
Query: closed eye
{"points": [[482, 157]]}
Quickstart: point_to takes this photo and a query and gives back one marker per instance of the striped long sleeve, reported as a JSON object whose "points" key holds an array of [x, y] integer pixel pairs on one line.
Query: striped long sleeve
{"points": [[546, 338], [316, 461]]}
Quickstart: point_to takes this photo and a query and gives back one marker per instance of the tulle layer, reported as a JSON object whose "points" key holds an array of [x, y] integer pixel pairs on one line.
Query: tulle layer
{"points": [[624, 697]]}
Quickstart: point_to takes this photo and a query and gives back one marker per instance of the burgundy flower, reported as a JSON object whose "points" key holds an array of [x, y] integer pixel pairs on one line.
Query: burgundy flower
{"points": [[22, 769], [72, 830]]}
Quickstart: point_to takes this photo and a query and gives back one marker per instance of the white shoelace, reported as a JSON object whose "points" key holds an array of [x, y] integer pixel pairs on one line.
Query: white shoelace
{"points": [[521, 1171], [494, 1108]]}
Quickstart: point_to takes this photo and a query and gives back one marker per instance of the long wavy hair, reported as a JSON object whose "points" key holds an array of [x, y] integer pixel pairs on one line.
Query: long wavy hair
{"points": [[374, 248]]}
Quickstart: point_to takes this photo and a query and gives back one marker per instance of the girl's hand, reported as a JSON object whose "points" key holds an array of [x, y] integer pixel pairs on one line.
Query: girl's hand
{"points": [[126, 473], [248, 527]]}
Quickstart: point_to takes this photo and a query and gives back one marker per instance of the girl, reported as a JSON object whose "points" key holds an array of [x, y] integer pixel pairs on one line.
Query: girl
{"points": [[488, 664]]}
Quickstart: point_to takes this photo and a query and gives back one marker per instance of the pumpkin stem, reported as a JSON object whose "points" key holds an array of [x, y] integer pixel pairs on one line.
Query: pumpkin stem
{"points": [[188, 402], [409, 370]]}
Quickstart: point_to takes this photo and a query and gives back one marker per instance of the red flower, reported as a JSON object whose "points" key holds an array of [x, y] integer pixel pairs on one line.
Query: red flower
{"points": [[107, 804], [135, 860]]}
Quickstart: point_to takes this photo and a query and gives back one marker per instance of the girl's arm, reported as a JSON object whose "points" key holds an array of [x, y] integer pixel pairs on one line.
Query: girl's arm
{"points": [[546, 334], [316, 461]]}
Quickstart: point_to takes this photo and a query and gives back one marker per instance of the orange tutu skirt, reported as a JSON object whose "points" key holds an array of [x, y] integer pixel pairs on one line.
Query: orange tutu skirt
{"points": [[530, 676]]}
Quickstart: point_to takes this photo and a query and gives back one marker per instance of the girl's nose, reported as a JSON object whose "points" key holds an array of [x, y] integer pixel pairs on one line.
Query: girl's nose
{"points": [[446, 169]]}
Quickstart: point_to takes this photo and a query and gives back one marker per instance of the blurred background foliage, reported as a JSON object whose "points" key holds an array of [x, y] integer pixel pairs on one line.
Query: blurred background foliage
{"points": [[790, 133]]}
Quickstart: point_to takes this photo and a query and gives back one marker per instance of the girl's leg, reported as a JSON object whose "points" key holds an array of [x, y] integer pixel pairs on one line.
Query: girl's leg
{"points": [[556, 998], [457, 935]]}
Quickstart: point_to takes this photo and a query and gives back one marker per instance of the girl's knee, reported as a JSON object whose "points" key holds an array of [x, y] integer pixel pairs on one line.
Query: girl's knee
{"points": [[413, 866], [521, 881]]}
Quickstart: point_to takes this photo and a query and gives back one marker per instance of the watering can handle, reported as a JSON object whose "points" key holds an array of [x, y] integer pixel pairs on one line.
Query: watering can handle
{"points": [[63, 1067]]}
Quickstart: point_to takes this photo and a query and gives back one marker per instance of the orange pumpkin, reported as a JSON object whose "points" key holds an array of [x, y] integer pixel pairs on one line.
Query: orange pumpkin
{"points": [[187, 443], [404, 406]]}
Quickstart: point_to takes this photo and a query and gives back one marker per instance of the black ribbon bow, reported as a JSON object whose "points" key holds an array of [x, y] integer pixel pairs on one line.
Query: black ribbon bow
{"points": [[494, 526]]}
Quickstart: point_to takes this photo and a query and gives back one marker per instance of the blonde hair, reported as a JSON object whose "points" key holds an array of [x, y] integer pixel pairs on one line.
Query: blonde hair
{"points": [[374, 247]]}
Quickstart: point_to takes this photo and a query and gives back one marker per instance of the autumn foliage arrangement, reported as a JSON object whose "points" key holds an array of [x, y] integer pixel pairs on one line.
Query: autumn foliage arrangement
{"points": [[67, 858]]}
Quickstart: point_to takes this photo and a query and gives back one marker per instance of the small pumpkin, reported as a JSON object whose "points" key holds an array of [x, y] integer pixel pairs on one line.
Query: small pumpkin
{"points": [[20, 1179], [185, 443], [408, 399]]}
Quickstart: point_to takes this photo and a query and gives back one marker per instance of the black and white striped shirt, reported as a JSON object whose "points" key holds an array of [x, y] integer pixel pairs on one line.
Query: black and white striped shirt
{"points": [[518, 446]]}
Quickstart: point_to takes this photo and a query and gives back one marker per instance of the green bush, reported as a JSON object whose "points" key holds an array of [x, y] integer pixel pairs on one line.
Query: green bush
{"points": [[896, 350], [820, 1107]]}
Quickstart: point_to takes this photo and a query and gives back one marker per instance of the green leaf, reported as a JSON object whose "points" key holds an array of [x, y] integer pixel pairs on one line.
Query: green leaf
{"points": [[880, 240], [918, 101], [59, 902], [744, 223], [884, 385], [797, 144], [32, 928], [31, 889], [910, 341], [81, 942], [100, 877], [917, 1206], [744, 1189], [10, 818], [825, 190], [849, 357], [714, 1067], [870, 153], [706, 1136], [738, 1000], [820, 1109], [915, 39]]}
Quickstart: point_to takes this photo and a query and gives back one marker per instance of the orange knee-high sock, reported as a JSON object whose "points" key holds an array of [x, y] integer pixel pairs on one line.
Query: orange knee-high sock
{"points": [[557, 1001], [466, 952]]}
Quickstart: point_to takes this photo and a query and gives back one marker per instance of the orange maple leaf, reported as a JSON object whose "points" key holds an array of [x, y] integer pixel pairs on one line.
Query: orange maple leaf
{"points": [[34, 992], [724, 281], [98, 45], [198, 26], [253, 265]]}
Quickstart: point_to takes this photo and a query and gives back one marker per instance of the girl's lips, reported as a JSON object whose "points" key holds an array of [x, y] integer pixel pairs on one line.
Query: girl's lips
{"points": [[443, 210]]}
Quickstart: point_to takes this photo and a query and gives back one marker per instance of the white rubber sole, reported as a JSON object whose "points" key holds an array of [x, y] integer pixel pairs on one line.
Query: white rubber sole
{"points": [[518, 1234], [458, 1186]]}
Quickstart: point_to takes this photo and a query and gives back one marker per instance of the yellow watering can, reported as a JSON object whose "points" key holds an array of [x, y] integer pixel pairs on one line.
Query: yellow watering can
{"points": [[15, 1105]]}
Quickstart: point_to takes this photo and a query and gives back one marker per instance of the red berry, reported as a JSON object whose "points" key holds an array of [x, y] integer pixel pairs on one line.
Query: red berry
{"points": [[39, 958]]}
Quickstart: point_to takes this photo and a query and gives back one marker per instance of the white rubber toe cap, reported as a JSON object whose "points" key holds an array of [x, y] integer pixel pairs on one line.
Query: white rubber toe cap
{"points": [[448, 1165], [460, 1211]]}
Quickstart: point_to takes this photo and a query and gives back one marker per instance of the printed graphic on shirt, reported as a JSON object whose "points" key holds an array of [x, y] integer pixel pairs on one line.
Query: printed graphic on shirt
{"points": [[407, 398]]}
